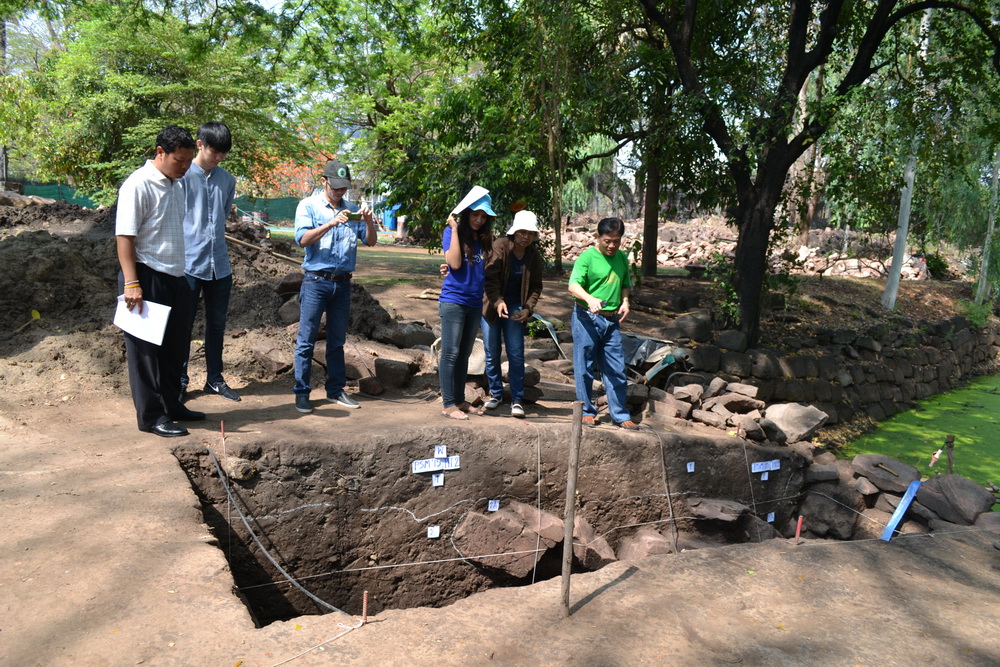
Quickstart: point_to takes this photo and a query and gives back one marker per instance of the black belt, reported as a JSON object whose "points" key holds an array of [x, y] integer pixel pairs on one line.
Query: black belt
{"points": [[335, 277]]}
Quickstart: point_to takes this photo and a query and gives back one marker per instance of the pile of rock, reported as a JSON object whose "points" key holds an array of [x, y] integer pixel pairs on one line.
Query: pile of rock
{"points": [[381, 350], [856, 499]]}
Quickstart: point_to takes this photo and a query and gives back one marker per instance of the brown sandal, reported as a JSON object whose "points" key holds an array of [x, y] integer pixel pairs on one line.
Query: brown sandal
{"points": [[469, 410], [455, 413]]}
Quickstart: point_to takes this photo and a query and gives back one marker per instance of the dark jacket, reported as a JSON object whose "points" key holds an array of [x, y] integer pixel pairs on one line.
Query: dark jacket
{"points": [[498, 272]]}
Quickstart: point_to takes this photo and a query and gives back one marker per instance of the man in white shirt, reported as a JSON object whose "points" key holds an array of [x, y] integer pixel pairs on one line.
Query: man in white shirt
{"points": [[149, 233]]}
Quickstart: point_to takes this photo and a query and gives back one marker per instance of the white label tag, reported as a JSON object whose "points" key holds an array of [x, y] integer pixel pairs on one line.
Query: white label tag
{"points": [[435, 465], [690, 466], [770, 517], [763, 476], [433, 532], [440, 451], [493, 506], [437, 479]]}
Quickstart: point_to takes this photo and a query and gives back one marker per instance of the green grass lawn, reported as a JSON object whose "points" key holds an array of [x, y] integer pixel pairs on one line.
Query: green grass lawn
{"points": [[971, 414]]}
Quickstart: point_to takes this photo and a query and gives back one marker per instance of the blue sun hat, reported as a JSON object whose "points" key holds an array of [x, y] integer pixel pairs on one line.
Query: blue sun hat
{"points": [[484, 204]]}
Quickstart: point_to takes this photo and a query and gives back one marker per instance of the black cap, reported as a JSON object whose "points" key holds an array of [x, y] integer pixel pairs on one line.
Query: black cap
{"points": [[337, 174]]}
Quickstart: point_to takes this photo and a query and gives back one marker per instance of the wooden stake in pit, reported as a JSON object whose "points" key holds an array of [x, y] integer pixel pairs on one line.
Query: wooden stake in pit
{"points": [[569, 517]]}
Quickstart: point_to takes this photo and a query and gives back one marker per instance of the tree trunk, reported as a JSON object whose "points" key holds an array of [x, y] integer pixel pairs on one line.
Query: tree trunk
{"points": [[651, 219], [755, 221], [902, 230], [983, 290], [555, 181]]}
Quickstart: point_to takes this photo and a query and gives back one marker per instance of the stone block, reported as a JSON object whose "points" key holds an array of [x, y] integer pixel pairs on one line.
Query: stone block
{"points": [[955, 498], [392, 373], [749, 427], [709, 418], [273, 356], [644, 543], [690, 393], [799, 422], [371, 386], [741, 388], [706, 358], [735, 363], [877, 467], [818, 472], [591, 551], [764, 365], [289, 310], [733, 340]]}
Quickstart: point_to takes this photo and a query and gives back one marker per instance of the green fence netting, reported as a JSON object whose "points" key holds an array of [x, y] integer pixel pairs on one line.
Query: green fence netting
{"points": [[60, 193], [282, 209]]}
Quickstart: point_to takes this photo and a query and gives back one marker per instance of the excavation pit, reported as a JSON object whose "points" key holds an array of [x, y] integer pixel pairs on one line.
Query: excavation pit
{"points": [[341, 518]]}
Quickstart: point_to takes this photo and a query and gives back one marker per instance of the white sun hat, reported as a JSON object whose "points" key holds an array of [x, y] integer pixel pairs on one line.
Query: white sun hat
{"points": [[524, 221]]}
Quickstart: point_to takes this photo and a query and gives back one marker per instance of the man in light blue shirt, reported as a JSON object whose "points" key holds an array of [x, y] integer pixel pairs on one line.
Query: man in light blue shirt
{"points": [[329, 228], [209, 191]]}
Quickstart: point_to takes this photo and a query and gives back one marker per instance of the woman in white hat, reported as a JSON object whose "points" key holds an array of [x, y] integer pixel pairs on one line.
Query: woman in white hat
{"points": [[467, 245], [513, 285]]}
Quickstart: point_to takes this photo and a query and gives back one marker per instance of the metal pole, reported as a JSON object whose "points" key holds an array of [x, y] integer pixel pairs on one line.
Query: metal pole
{"points": [[570, 514]]}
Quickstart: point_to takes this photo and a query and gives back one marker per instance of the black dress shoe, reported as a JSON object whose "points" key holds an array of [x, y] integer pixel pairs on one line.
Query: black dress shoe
{"points": [[185, 415], [168, 430]]}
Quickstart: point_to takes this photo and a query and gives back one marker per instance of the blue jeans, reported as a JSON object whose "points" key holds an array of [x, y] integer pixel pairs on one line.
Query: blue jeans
{"points": [[317, 296], [512, 334], [599, 339], [459, 326], [216, 308]]}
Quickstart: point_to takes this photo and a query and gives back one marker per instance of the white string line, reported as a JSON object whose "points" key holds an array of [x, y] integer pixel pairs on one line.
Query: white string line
{"points": [[746, 457], [634, 525], [349, 628], [260, 545], [391, 566], [666, 488]]}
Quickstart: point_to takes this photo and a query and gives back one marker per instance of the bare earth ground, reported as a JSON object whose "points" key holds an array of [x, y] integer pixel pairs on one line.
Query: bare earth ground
{"points": [[107, 559]]}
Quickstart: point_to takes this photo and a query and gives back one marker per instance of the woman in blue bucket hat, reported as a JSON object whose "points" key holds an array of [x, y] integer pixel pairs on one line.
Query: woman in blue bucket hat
{"points": [[467, 244]]}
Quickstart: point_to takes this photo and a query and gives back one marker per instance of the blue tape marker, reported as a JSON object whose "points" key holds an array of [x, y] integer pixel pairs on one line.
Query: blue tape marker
{"points": [[904, 505]]}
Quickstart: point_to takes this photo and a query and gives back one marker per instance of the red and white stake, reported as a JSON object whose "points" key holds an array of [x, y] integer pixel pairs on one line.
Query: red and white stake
{"points": [[798, 530], [364, 608]]}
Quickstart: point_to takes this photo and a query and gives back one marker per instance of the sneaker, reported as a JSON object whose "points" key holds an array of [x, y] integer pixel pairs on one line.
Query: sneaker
{"points": [[344, 401], [223, 390], [302, 404], [517, 411], [493, 403], [628, 425], [588, 420]]}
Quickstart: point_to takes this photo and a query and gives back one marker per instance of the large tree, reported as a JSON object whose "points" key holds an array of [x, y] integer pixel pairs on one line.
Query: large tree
{"points": [[744, 64]]}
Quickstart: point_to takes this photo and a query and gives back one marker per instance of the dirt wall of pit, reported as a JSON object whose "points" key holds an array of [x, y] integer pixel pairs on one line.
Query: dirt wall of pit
{"points": [[344, 517]]}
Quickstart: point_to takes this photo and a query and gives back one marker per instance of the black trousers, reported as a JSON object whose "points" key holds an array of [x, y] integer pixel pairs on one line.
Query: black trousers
{"points": [[154, 371]]}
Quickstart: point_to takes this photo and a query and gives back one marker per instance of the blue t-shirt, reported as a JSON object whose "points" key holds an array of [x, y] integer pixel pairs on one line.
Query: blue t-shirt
{"points": [[464, 286]]}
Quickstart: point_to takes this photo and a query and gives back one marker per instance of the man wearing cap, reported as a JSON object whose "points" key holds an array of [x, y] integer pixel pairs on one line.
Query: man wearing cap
{"points": [[513, 286], [323, 226]]}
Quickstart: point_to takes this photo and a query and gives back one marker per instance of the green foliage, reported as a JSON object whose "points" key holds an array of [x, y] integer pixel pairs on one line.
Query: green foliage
{"points": [[102, 100], [978, 314], [937, 265], [719, 269]]}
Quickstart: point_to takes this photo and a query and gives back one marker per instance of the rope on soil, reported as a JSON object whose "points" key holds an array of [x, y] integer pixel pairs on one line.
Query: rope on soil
{"points": [[260, 545]]}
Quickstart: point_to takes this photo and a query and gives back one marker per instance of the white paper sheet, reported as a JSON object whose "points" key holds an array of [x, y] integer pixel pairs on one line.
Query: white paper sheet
{"points": [[475, 193], [149, 326]]}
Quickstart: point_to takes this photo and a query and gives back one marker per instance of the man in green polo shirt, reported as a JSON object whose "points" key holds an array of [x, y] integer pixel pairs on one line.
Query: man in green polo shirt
{"points": [[600, 282]]}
